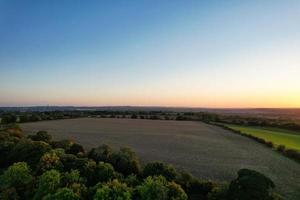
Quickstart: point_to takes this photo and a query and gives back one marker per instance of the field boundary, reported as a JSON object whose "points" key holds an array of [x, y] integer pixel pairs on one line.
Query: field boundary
{"points": [[290, 153]]}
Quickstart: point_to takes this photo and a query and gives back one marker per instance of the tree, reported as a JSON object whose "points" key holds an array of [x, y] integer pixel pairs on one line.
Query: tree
{"points": [[194, 188], [7, 144], [153, 188], [8, 118], [104, 172], [125, 161], [41, 136], [62, 194], [49, 161], [48, 183], [219, 192], [158, 168], [29, 151], [62, 144], [17, 178], [250, 185], [89, 172], [101, 153], [70, 161], [175, 192], [72, 177], [75, 149], [113, 190], [74, 181]]}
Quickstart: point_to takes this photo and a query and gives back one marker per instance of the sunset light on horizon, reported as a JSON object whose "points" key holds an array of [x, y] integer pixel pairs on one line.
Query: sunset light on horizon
{"points": [[214, 54]]}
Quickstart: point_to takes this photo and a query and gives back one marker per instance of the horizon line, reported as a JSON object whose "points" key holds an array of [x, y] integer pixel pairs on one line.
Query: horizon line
{"points": [[148, 106]]}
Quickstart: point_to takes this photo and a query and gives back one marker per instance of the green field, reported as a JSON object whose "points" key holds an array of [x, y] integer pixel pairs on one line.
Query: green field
{"points": [[288, 138]]}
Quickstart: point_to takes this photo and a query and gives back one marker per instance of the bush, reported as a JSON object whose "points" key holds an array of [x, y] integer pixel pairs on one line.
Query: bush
{"points": [[281, 148], [194, 188], [62, 144], [175, 192], [62, 194], [250, 185], [113, 191], [16, 178], [291, 153], [70, 162], [158, 168], [72, 177], [101, 153], [7, 144], [49, 161], [153, 188], [270, 144], [125, 161], [160, 189], [75, 149], [218, 192], [48, 183], [29, 151], [41, 136]]}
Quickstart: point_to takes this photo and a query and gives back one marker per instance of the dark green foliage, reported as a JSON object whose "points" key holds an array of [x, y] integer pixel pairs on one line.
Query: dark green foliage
{"points": [[62, 194], [132, 180], [104, 172], [7, 144], [157, 168], [101, 172], [113, 190], [125, 161], [41, 136], [153, 188], [175, 192], [194, 187], [291, 153], [160, 189], [47, 184], [281, 148], [101, 153], [62, 144], [218, 193], [72, 177], [49, 161], [250, 185], [75, 149], [70, 161], [16, 181], [29, 151], [8, 118]]}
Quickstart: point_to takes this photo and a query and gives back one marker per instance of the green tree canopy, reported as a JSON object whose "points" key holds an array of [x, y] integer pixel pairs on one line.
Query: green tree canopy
{"points": [[250, 185], [113, 190]]}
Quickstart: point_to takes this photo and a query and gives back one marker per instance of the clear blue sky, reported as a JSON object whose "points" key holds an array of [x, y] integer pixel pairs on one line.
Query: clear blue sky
{"points": [[168, 53]]}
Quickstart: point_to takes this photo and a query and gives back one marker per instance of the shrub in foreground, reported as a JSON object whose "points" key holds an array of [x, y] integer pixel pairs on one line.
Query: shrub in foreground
{"points": [[250, 185]]}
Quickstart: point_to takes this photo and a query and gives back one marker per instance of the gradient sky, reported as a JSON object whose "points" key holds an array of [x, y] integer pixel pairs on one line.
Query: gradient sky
{"points": [[150, 53]]}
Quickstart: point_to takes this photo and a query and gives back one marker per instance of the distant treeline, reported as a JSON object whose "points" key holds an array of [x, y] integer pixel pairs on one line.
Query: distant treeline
{"points": [[22, 117]]}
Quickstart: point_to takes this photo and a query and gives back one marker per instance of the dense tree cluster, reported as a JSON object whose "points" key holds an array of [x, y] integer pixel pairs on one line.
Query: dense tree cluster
{"points": [[36, 167]]}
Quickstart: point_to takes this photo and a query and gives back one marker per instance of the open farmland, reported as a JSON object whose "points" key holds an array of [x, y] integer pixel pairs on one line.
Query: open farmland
{"points": [[207, 151], [290, 139]]}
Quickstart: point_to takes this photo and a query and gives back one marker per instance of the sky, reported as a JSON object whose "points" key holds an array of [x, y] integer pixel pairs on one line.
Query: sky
{"points": [[217, 54]]}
